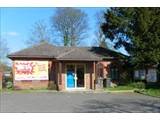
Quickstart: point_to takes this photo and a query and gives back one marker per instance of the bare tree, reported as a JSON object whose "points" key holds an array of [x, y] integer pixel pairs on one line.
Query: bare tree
{"points": [[39, 33], [3, 51], [70, 25], [99, 36]]}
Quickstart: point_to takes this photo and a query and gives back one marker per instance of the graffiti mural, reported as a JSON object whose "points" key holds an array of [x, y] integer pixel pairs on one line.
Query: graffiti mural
{"points": [[31, 70]]}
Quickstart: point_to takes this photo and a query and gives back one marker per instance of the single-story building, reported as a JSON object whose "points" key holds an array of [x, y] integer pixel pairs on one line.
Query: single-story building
{"points": [[68, 68]]}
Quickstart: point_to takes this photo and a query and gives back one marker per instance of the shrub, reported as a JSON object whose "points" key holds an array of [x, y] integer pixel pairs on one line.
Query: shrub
{"points": [[9, 85], [7, 82], [138, 85]]}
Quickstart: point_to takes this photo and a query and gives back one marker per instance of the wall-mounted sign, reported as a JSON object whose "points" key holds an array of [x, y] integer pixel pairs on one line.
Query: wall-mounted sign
{"points": [[31, 70]]}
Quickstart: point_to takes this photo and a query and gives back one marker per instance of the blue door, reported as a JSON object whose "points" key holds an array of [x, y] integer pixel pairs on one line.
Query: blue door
{"points": [[70, 79]]}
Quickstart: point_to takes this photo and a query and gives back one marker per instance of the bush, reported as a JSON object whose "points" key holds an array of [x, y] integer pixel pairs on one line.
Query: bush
{"points": [[7, 82], [138, 85], [9, 85]]}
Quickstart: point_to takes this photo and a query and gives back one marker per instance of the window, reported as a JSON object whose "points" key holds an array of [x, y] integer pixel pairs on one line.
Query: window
{"points": [[139, 74], [114, 73], [152, 75], [142, 74]]}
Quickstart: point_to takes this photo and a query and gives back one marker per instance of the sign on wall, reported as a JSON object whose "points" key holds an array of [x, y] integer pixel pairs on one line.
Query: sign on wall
{"points": [[31, 70]]}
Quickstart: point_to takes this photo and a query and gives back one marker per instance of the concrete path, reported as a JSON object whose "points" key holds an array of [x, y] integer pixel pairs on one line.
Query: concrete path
{"points": [[78, 102]]}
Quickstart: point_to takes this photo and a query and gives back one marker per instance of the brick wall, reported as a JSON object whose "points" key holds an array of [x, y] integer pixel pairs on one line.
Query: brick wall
{"points": [[105, 67], [31, 84], [54, 75], [1, 76]]}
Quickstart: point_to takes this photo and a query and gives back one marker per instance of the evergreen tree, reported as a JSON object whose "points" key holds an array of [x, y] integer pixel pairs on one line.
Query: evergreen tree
{"points": [[138, 31]]}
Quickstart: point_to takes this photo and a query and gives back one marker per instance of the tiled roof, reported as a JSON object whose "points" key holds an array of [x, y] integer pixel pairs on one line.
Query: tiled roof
{"points": [[45, 50]]}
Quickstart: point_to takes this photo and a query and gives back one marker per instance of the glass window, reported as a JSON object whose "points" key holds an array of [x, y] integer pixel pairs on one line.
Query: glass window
{"points": [[114, 73], [142, 74]]}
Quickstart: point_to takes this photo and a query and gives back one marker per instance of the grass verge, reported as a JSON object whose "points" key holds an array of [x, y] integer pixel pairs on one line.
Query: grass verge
{"points": [[27, 90], [120, 88], [149, 92], [155, 92]]}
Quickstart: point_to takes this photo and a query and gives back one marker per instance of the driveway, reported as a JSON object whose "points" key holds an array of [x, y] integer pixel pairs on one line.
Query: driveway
{"points": [[78, 102]]}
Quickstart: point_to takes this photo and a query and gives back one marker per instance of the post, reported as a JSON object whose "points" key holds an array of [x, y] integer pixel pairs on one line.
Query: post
{"points": [[60, 76], [94, 78]]}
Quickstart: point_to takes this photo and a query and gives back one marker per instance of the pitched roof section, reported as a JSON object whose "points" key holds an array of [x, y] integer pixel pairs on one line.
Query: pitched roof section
{"points": [[79, 53], [45, 50]]}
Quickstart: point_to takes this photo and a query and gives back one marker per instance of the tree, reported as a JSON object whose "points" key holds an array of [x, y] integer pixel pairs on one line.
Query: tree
{"points": [[3, 50], [5, 67], [39, 33], [99, 36], [3, 55], [137, 30], [71, 25]]}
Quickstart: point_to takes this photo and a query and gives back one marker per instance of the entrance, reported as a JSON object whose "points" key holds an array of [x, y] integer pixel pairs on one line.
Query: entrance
{"points": [[75, 76]]}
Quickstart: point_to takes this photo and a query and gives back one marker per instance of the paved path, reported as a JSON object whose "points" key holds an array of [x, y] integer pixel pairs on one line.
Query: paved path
{"points": [[78, 102]]}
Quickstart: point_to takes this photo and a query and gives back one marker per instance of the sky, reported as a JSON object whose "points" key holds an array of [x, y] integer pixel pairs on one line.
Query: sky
{"points": [[16, 23]]}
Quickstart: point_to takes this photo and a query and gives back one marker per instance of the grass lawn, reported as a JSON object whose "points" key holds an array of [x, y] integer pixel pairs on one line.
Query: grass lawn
{"points": [[118, 88], [151, 92], [27, 90]]}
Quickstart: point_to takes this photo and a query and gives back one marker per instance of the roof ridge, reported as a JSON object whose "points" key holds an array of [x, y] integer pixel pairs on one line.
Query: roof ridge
{"points": [[65, 53]]}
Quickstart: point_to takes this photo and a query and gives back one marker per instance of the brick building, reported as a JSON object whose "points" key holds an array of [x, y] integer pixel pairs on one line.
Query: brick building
{"points": [[1, 78], [69, 68]]}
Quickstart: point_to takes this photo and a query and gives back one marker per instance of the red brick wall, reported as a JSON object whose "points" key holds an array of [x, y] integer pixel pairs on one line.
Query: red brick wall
{"points": [[30, 84], [60, 77], [106, 68], [1, 76]]}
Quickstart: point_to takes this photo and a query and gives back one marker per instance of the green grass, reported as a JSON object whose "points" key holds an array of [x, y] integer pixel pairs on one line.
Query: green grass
{"points": [[27, 90], [119, 88], [151, 92]]}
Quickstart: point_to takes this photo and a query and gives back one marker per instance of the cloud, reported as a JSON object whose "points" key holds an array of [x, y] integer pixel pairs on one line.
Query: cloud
{"points": [[12, 33]]}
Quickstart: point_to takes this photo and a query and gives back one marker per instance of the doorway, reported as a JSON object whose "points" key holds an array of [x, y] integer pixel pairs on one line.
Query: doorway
{"points": [[75, 76]]}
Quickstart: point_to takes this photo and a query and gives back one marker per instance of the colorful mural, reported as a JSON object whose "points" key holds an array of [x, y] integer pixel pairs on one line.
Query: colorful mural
{"points": [[31, 70]]}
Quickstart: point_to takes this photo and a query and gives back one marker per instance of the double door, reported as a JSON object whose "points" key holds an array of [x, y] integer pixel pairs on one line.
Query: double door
{"points": [[75, 76]]}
